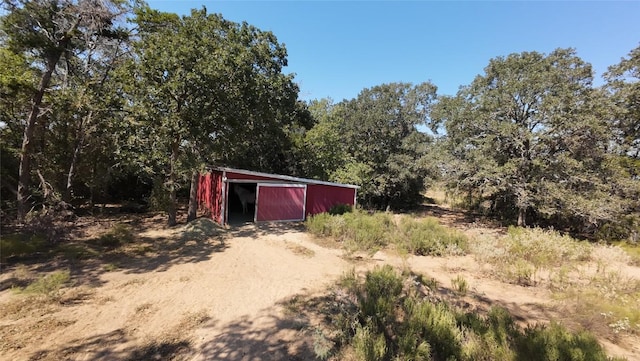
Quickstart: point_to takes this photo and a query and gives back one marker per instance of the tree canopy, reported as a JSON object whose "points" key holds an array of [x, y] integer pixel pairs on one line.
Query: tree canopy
{"points": [[112, 100], [531, 135]]}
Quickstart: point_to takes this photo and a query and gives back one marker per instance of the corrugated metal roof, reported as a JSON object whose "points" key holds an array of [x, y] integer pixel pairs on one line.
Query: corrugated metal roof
{"points": [[284, 177]]}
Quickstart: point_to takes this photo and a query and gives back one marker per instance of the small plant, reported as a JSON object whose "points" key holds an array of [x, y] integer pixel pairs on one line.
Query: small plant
{"points": [[110, 267], [144, 307], [48, 285], [301, 250], [339, 209], [369, 345], [118, 235], [21, 245], [460, 285], [322, 346]]}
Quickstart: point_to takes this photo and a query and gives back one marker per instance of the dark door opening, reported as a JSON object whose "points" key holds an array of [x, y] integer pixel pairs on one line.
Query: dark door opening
{"points": [[241, 202]]}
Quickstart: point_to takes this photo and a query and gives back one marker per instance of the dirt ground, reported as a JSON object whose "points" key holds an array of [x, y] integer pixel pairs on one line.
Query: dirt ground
{"points": [[184, 294]]}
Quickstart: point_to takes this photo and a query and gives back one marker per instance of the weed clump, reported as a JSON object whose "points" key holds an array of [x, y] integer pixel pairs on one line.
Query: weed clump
{"points": [[428, 237], [524, 252], [361, 231], [117, 236], [21, 245], [339, 209], [389, 320], [49, 285]]}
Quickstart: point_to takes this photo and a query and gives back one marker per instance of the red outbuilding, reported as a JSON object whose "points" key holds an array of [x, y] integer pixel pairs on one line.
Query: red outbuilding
{"points": [[237, 195]]}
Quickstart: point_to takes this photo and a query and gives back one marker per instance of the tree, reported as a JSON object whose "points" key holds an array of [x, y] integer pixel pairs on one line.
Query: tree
{"points": [[384, 146], [51, 30], [16, 82], [530, 136], [199, 84], [321, 148], [623, 85], [623, 81]]}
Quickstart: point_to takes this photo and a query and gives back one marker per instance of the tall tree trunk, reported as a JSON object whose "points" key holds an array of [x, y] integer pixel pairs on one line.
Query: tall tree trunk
{"points": [[193, 197], [522, 215], [24, 170], [68, 194], [172, 209]]}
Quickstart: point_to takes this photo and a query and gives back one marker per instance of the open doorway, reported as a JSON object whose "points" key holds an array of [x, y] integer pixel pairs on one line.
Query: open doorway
{"points": [[241, 202]]}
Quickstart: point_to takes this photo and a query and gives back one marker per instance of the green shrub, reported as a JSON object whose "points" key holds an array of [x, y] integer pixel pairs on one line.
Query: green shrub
{"points": [[322, 346], [361, 231], [519, 256], [369, 345], [555, 342], [436, 323], [460, 285], [379, 293], [339, 209], [393, 323], [319, 224], [364, 232], [428, 237], [117, 236], [48, 285], [20, 245]]}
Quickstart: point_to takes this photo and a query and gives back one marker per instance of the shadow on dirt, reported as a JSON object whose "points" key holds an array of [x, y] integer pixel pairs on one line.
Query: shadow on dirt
{"points": [[255, 230], [108, 347], [152, 248], [265, 338], [269, 340]]}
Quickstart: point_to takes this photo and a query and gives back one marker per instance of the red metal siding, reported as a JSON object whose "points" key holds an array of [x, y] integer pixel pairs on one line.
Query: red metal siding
{"points": [[280, 203], [210, 194], [320, 198]]}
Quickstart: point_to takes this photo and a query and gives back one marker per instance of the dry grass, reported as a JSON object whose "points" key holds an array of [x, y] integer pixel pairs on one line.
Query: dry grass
{"points": [[300, 250]]}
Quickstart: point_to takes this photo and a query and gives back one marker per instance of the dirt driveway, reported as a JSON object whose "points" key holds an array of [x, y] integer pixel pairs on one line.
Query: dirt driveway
{"points": [[212, 298]]}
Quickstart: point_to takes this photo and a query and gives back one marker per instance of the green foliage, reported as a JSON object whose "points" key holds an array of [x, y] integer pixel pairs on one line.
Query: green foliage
{"points": [[460, 285], [394, 323], [369, 345], [555, 342], [428, 237], [320, 224], [523, 136], [377, 296], [322, 346], [118, 235], [520, 255], [159, 198], [373, 141], [48, 285], [20, 245], [357, 231], [361, 231], [622, 81], [339, 209]]}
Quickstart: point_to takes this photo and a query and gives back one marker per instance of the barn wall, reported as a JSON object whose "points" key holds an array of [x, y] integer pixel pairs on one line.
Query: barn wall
{"points": [[320, 197], [210, 194]]}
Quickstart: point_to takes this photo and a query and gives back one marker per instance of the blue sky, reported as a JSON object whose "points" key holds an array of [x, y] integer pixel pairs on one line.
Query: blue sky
{"points": [[338, 48]]}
